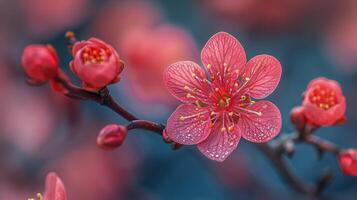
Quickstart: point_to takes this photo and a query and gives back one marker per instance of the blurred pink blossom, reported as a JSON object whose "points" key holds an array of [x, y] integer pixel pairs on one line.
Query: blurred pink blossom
{"points": [[47, 17], [147, 53], [341, 36], [267, 14], [91, 173], [124, 16], [27, 117]]}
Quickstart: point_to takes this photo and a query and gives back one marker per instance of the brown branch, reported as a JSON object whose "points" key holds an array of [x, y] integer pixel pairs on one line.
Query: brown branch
{"points": [[277, 160], [102, 97], [146, 125]]}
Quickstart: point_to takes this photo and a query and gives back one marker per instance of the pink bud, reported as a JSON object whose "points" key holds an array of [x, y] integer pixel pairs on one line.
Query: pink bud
{"points": [[96, 63], [348, 161], [111, 136], [298, 118], [40, 62]]}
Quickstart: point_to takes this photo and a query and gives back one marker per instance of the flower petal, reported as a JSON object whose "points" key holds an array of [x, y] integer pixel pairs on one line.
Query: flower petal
{"points": [[185, 81], [321, 117], [188, 124], [222, 51], [264, 73], [220, 143], [54, 188], [263, 127], [325, 82]]}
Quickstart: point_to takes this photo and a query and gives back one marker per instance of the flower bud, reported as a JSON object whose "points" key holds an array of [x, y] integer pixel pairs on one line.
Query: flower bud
{"points": [[40, 62], [324, 103], [96, 63], [111, 136], [348, 161], [297, 117]]}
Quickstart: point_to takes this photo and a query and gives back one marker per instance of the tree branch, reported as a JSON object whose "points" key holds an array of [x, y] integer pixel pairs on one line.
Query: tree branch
{"points": [[102, 97]]}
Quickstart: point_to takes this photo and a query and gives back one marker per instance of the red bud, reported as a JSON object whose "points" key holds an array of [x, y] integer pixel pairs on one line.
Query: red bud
{"points": [[348, 161], [40, 62], [111, 136]]}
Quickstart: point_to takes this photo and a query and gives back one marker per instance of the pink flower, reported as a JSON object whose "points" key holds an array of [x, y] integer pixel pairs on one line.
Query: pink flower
{"points": [[96, 63], [40, 62], [55, 189], [324, 103], [348, 161], [218, 110]]}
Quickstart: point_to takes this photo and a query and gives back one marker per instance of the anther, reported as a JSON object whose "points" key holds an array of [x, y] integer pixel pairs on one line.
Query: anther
{"points": [[230, 128], [190, 96]]}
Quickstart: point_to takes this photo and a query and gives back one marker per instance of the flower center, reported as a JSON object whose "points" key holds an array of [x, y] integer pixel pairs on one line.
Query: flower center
{"points": [[224, 102], [324, 98], [93, 55]]}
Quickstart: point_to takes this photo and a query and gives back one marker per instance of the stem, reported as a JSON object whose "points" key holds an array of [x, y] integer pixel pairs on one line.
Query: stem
{"points": [[154, 127], [146, 125], [321, 144], [102, 97], [276, 159]]}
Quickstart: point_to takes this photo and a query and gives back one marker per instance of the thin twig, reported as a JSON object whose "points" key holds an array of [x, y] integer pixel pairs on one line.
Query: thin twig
{"points": [[102, 97]]}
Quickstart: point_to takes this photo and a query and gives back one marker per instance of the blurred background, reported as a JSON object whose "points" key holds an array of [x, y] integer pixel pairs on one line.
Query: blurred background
{"points": [[41, 131]]}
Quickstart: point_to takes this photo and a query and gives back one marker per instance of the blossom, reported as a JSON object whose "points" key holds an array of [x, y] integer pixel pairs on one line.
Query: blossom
{"points": [[170, 42], [324, 102], [348, 161], [340, 37], [272, 15], [100, 175], [138, 14], [40, 62], [96, 63], [55, 189], [46, 18], [111, 136], [218, 110]]}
